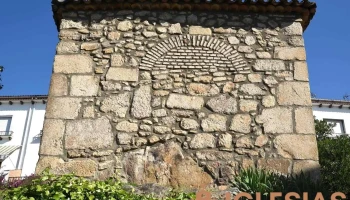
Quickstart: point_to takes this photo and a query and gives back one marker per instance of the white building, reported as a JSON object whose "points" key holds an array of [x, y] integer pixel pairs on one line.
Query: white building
{"points": [[21, 123], [22, 117], [333, 111]]}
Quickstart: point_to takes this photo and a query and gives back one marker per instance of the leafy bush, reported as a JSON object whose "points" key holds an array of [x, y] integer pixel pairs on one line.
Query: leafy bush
{"points": [[50, 186], [323, 129], [334, 154], [253, 180]]}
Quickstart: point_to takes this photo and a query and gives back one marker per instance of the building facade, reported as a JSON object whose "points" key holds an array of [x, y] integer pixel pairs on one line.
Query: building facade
{"points": [[159, 91], [21, 124]]}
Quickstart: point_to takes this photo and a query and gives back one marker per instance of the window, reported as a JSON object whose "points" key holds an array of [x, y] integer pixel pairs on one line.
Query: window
{"points": [[5, 124], [339, 126]]}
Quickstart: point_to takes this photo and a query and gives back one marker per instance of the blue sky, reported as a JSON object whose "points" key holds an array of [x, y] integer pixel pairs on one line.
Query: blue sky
{"points": [[28, 38]]}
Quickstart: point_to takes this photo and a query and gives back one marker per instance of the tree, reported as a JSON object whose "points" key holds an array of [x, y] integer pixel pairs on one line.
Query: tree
{"points": [[1, 70], [323, 129]]}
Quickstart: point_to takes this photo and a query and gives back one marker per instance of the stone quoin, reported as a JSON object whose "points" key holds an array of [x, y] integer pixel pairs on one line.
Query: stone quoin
{"points": [[157, 92]]}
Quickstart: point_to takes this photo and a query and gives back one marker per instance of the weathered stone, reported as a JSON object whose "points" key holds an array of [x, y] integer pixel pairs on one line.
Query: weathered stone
{"points": [[265, 55], [245, 49], [240, 78], [90, 46], [301, 71], [161, 129], [52, 138], [161, 30], [213, 155], [283, 166], [110, 86], [115, 35], [233, 40], [252, 89], [141, 106], [122, 74], [124, 26], [307, 167], [277, 120], [67, 47], [223, 30], [244, 142], [184, 102], [261, 140], [301, 147], [84, 167], [175, 29], [182, 113], [73, 64], [89, 112], [203, 79], [117, 104], [198, 30], [159, 113], [223, 104], [153, 139], [294, 93], [106, 164], [117, 60], [297, 41], [63, 108], [189, 124], [228, 87], [84, 85], [202, 89], [250, 40], [268, 101], [248, 105], [124, 138], [149, 34], [270, 81], [203, 140], [254, 78], [241, 123], [290, 53], [126, 126], [69, 24], [292, 29], [247, 163], [213, 123], [304, 121], [225, 140], [269, 65], [58, 85], [89, 133]]}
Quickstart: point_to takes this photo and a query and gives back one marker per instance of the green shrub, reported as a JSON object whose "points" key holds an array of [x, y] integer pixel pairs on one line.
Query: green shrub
{"points": [[49, 186], [334, 155], [323, 129]]}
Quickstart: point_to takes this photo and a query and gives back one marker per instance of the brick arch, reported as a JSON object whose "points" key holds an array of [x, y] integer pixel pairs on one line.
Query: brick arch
{"points": [[219, 51]]}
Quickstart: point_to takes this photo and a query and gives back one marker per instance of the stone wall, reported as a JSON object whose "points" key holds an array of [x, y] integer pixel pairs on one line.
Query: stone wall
{"points": [[158, 97]]}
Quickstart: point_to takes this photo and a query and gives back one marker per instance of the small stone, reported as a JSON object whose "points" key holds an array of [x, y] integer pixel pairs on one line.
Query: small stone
{"points": [[90, 46], [248, 105], [67, 47], [198, 30], [251, 89], [292, 29], [130, 46], [126, 126], [301, 71], [175, 29], [161, 129], [269, 65], [269, 101], [115, 35], [117, 60], [141, 106], [122, 74], [117, 104], [124, 26], [276, 120], [233, 40], [245, 49], [202, 89], [149, 34], [161, 30], [68, 24], [89, 112], [265, 55], [244, 142], [159, 113], [185, 102], [250, 40], [241, 123], [203, 140], [124, 138], [270, 81], [182, 113], [239, 78], [189, 124], [228, 87], [225, 140], [297, 41], [109, 86], [254, 78], [223, 104], [214, 123], [261, 140], [153, 139]]}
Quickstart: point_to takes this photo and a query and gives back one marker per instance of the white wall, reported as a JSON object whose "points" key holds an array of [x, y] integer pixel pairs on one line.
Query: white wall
{"points": [[333, 113], [27, 120]]}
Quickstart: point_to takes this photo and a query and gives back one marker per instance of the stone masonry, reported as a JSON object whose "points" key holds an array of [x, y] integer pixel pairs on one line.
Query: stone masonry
{"points": [[161, 96]]}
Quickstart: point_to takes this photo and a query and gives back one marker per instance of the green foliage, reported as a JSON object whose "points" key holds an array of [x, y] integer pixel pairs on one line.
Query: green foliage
{"points": [[253, 180], [334, 156], [53, 187], [323, 129]]}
